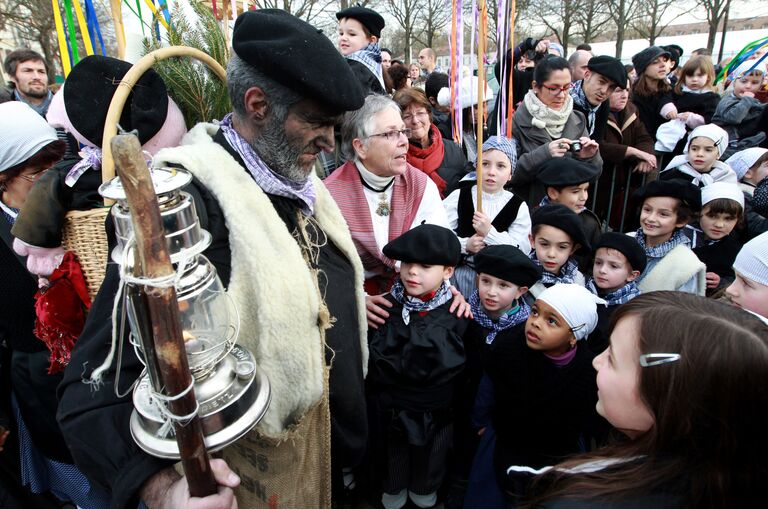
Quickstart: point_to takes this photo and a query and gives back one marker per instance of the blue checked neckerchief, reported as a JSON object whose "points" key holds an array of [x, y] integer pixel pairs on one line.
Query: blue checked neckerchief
{"points": [[409, 303], [662, 249], [370, 57], [621, 296], [567, 273], [514, 316], [268, 181], [579, 98]]}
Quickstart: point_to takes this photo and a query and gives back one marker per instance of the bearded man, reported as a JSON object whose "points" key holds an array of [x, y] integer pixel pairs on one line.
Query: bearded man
{"points": [[28, 73], [283, 250]]}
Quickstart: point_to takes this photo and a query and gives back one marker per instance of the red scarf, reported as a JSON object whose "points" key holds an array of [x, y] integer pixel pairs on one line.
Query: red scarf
{"points": [[347, 190], [430, 158]]}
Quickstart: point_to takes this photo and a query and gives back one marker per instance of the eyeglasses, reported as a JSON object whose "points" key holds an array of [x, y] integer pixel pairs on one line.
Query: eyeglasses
{"points": [[557, 90], [393, 134], [419, 114], [654, 359], [32, 177]]}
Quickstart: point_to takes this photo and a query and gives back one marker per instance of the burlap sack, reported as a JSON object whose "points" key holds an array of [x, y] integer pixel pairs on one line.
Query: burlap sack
{"points": [[292, 471]]}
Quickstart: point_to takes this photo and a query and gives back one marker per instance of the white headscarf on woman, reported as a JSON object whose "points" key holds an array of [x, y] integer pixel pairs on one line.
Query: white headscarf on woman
{"points": [[23, 131]]}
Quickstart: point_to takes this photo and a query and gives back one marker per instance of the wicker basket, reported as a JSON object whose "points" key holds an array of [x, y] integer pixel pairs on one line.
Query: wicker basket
{"points": [[84, 232]]}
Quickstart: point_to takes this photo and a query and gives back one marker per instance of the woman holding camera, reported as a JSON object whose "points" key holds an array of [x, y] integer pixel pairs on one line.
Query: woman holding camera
{"points": [[546, 126]]}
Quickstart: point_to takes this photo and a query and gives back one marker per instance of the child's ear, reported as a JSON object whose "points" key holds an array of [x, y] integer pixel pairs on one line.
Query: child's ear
{"points": [[575, 248], [552, 193], [633, 275], [530, 239], [573, 341], [521, 290], [447, 272]]}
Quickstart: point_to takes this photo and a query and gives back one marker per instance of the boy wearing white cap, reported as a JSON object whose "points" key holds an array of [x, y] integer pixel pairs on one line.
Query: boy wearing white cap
{"points": [[699, 164], [751, 166], [750, 288], [544, 386], [712, 238]]}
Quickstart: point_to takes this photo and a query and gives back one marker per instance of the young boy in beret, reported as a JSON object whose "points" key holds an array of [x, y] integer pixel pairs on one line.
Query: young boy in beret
{"points": [[619, 261], [415, 357], [359, 34], [556, 236], [667, 206], [567, 182], [499, 314]]}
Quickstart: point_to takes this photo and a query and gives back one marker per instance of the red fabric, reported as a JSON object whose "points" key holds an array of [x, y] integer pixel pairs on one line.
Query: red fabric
{"points": [[429, 159], [61, 308]]}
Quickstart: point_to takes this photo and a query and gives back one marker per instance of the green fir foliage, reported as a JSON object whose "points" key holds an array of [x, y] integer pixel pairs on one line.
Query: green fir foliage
{"points": [[199, 92]]}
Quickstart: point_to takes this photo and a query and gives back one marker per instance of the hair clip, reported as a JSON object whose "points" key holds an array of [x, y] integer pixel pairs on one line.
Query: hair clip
{"points": [[654, 359], [578, 327]]}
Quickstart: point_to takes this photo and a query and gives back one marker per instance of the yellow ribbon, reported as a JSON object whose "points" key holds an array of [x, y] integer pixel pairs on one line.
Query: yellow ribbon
{"points": [[83, 28], [65, 63], [158, 16]]}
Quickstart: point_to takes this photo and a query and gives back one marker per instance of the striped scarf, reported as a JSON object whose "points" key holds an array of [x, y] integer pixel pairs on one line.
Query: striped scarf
{"points": [[567, 272], [514, 316], [441, 296], [621, 296], [346, 189]]}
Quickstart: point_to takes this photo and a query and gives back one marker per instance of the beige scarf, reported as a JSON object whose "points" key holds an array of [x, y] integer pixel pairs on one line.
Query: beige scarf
{"points": [[544, 117]]}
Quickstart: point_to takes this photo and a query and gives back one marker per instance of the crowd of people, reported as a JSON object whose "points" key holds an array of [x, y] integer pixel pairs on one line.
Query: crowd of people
{"points": [[581, 320]]}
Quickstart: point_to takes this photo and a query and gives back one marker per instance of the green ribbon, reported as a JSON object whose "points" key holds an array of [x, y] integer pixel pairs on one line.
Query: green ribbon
{"points": [[72, 33]]}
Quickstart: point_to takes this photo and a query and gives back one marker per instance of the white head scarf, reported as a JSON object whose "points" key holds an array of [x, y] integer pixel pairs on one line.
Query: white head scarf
{"points": [[23, 131], [577, 306], [720, 171], [752, 260], [726, 190], [742, 161], [714, 132]]}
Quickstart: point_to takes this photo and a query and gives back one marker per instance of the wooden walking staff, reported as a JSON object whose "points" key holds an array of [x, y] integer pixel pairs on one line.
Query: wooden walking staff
{"points": [[481, 36], [154, 262]]}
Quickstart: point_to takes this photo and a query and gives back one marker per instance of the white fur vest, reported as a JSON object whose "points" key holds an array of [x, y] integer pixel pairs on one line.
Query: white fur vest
{"points": [[271, 284]]}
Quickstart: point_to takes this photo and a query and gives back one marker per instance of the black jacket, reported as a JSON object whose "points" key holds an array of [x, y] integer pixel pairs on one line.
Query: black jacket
{"points": [[649, 109]]}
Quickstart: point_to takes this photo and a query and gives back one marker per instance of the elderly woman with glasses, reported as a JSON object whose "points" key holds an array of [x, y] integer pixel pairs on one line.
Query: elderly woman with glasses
{"points": [[380, 195], [442, 160], [546, 126]]}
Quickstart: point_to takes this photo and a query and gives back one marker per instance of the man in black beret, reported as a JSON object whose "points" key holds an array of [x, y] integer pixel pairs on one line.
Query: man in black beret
{"points": [[284, 252], [590, 95]]}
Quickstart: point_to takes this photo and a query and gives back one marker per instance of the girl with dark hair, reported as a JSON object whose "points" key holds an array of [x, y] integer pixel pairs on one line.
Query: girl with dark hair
{"points": [[546, 126], [652, 94], [684, 379]]}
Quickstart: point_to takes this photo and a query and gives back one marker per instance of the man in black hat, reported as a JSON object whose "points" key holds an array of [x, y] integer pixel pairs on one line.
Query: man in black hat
{"points": [[283, 250], [590, 95]]}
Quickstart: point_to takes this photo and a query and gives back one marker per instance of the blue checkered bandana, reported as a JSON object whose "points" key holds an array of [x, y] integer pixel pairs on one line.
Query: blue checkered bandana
{"points": [[621, 296], [370, 57], [567, 273], [409, 303], [518, 314]]}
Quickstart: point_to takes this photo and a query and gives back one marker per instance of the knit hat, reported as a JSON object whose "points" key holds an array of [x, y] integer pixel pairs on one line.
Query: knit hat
{"points": [[643, 59], [577, 306], [625, 245], [742, 161], [467, 93], [609, 67], [508, 263], [24, 133], [503, 144], [752, 260], [369, 18], [714, 132], [429, 244], [726, 190]]}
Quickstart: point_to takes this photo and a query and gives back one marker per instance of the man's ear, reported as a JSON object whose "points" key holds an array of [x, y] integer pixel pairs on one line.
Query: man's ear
{"points": [[432, 101], [256, 104]]}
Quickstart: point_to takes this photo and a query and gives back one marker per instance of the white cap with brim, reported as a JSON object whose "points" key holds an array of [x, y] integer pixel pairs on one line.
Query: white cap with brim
{"points": [[577, 306], [743, 160], [752, 260], [24, 133], [726, 190]]}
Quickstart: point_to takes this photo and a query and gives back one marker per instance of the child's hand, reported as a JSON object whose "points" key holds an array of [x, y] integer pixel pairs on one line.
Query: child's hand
{"points": [[589, 148], [712, 280], [475, 243], [3, 436], [747, 93], [481, 431], [375, 310], [481, 223]]}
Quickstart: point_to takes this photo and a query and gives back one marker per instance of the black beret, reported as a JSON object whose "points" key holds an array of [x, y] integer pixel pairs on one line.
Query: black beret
{"points": [[610, 67], [627, 246], [648, 55], [563, 218], [428, 244], [565, 171], [89, 89], [688, 194], [370, 19], [298, 56], [508, 263]]}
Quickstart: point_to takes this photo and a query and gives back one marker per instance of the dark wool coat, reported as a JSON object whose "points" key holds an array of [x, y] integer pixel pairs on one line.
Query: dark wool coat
{"points": [[649, 110]]}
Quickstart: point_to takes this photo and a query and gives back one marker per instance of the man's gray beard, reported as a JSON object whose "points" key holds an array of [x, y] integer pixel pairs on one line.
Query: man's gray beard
{"points": [[278, 152]]}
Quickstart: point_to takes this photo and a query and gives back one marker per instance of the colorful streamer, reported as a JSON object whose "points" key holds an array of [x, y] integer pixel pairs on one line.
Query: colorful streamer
{"points": [[71, 29], [744, 55], [481, 38], [83, 28], [93, 24], [63, 51], [158, 17]]}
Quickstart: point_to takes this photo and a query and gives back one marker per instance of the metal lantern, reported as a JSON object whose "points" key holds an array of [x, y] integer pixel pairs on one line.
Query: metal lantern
{"points": [[232, 393]]}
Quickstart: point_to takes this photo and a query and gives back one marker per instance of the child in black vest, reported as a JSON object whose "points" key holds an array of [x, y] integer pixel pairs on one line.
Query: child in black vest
{"points": [[556, 236], [567, 182], [415, 357], [619, 261], [504, 218]]}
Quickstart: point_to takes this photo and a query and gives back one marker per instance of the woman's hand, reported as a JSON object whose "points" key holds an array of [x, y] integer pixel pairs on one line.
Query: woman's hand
{"points": [[643, 167], [475, 243], [642, 156], [712, 280], [459, 305], [375, 310], [559, 148], [589, 148], [481, 223]]}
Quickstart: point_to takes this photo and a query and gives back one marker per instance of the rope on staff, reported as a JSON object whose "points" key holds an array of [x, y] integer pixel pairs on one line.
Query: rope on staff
{"points": [[481, 35], [66, 65]]}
